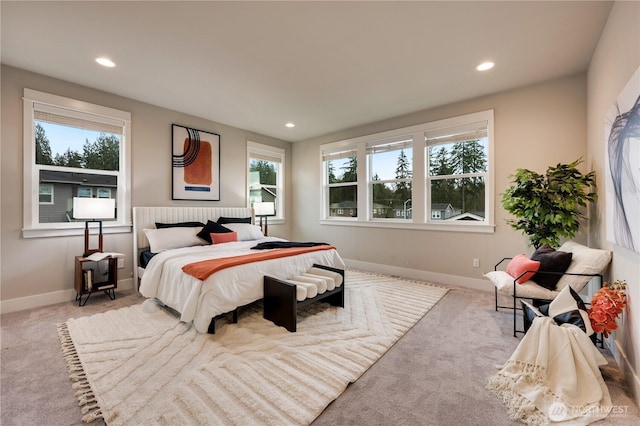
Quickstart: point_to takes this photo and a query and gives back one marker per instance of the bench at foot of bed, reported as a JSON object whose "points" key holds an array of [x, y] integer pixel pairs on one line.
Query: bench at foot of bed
{"points": [[283, 298]]}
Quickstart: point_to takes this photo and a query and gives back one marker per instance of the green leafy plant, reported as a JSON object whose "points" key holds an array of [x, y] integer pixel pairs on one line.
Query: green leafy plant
{"points": [[549, 207]]}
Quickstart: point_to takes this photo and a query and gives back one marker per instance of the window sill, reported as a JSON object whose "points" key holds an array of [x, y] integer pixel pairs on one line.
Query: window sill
{"points": [[445, 227], [75, 230]]}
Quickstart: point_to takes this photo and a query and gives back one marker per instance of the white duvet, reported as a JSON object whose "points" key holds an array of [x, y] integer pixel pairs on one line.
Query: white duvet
{"points": [[199, 301]]}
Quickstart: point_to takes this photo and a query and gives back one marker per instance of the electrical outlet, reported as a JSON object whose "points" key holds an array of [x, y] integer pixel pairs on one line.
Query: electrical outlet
{"points": [[476, 263], [120, 262]]}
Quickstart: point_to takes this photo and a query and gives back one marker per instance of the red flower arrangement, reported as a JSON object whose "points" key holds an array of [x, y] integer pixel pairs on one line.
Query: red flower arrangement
{"points": [[606, 305]]}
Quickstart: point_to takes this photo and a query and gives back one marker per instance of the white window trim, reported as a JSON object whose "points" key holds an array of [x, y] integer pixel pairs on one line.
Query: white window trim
{"points": [[31, 226], [275, 152], [420, 220]]}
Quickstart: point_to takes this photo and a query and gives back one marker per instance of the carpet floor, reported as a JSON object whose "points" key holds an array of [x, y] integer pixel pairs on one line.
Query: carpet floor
{"points": [[436, 374]]}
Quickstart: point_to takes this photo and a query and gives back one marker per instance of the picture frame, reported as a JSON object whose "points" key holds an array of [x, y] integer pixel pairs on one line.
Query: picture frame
{"points": [[195, 164], [622, 175]]}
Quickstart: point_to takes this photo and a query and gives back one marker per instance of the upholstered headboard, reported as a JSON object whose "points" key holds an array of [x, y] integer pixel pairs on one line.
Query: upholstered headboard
{"points": [[146, 218]]}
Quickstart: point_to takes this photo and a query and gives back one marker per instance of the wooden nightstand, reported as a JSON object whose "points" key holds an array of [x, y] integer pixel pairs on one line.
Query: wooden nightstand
{"points": [[93, 276]]}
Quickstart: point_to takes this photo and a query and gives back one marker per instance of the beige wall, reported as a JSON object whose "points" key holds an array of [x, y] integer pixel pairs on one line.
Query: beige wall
{"points": [[38, 271], [535, 127], [616, 58]]}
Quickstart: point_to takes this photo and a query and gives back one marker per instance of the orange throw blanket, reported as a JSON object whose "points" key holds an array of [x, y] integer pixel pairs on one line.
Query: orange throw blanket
{"points": [[203, 269]]}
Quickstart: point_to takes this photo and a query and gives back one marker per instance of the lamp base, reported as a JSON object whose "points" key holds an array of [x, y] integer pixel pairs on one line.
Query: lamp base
{"points": [[88, 251]]}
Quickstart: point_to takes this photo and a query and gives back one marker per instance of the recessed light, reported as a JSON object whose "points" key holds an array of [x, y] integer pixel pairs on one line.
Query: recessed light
{"points": [[485, 66], [105, 62], [290, 125]]}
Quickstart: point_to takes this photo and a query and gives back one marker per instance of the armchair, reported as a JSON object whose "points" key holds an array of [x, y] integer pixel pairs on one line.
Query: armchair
{"points": [[586, 264]]}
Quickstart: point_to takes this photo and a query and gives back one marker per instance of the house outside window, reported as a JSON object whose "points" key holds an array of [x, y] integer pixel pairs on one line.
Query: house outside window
{"points": [[436, 175], [266, 176], [78, 150]]}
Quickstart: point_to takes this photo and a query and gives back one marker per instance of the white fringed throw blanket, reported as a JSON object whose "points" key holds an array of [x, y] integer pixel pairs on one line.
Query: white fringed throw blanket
{"points": [[553, 377]]}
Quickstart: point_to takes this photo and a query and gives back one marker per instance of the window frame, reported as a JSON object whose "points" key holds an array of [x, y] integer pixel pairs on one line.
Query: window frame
{"points": [[421, 216], [406, 143], [256, 150], [32, 101]]}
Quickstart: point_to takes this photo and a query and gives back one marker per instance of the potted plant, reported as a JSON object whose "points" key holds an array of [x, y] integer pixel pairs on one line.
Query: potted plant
{"points": [[550, 206]]}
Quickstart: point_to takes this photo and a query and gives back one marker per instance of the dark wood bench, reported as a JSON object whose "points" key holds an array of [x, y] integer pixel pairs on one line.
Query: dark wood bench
{"points": [[280, 303]]}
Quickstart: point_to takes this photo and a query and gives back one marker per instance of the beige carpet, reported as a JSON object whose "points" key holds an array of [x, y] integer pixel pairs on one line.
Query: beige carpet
{"points": [[140, 365]]}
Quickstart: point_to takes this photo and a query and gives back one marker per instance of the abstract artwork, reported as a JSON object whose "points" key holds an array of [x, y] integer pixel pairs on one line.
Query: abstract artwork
{"points": [[195, 164], [622, 162]]}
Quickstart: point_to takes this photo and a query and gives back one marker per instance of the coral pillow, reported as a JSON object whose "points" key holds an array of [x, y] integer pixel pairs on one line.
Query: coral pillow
{"points": [[224, 237], [519, 265]]}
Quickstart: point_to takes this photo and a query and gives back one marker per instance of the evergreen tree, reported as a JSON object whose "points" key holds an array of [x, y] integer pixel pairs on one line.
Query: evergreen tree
{"points": [[43, 147], [69, 159], [403, 188], [103, 153], [266, 169]]}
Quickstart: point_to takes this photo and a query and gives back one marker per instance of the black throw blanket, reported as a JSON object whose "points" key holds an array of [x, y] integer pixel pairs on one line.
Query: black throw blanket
{"points": [[285, 244]]}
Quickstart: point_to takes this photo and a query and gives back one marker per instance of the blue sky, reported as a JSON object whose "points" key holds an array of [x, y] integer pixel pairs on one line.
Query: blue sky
{"points": [[63, 137]]}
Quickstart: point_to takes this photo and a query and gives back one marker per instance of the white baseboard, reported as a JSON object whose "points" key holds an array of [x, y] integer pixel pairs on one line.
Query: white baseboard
{"points": [[45, 299], [630, 374], [416, 274]]}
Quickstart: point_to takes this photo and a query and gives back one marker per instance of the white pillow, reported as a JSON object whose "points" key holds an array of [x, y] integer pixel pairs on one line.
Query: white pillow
{"points": [[585, 260], [246, 231], [529, 289], [173, 238]]}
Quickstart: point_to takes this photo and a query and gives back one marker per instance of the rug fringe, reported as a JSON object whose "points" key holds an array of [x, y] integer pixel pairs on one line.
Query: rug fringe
{"points": [[84, 392]]}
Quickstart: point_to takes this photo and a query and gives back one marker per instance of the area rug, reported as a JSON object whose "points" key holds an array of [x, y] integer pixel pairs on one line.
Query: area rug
{"points": [[140, 365]]}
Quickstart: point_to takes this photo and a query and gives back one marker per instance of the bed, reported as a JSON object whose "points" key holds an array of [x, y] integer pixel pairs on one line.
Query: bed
{"points": [[200, 300]]}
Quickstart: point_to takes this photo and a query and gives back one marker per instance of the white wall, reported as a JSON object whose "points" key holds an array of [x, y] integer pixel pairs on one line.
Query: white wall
{"points": [[616, 58], [535, 127], [39, 271]]}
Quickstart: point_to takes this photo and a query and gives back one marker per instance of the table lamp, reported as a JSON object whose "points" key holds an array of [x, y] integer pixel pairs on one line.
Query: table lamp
{"points": [[93, 210]]}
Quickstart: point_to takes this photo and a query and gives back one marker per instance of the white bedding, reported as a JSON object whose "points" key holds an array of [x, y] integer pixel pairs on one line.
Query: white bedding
{"points": [[199, 301]]}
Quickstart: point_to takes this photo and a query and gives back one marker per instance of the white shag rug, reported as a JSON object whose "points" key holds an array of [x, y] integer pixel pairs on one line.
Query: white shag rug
{"points": [[140, 365]]}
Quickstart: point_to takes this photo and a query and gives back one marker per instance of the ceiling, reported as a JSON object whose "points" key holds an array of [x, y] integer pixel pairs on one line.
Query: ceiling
{"points": [[325, 66]]}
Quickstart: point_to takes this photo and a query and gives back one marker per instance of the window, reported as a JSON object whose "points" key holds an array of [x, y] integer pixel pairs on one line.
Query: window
{"points": [[266, 176], [341, 177], [457, 172], [46, 193], [72, 149], [434, 175], [390, 178]]}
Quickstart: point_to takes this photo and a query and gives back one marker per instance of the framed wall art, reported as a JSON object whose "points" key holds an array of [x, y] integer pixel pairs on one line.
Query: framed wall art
{"points": [[195, 164], [622, 160]]}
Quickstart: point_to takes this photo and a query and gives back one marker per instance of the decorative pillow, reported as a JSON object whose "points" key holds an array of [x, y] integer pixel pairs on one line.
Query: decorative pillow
{"points": [[160, 225], [224, 220], [568, 308], [552, 261], [224, 237], [172, 238], [209, 228], [246, 231], [519, 264], [529, 313], [585, 260], [504, 284]]}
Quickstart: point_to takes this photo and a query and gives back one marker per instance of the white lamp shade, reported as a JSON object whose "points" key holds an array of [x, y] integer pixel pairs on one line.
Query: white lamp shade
{"points": [[264, 208], [94, 208]]}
